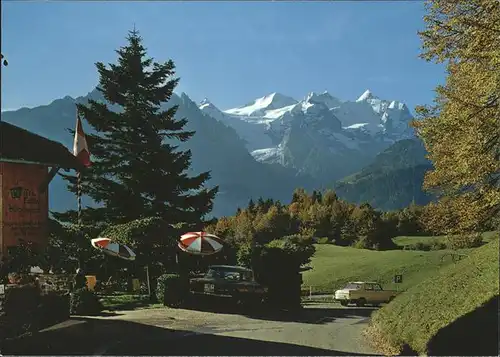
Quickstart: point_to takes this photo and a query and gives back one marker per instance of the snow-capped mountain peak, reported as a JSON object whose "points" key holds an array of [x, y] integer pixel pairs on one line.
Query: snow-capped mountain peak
{"points": [[205, 103], [280, 129], [207, 107], [261, 105], [324, 98], [366, 96], [397, 105], [325, 94]]}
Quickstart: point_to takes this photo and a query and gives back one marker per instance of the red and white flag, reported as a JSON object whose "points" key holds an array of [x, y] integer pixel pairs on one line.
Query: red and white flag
{"points": [[80, 148]]}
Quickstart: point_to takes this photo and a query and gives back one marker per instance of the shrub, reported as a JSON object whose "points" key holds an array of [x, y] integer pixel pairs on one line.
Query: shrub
{"points": [[84, 302], [22, 257], [277, 266], [437, 245], [323, 240], [54, 308], [463, 241], [21, 298], [300, 247], [426, 246], [281, 278], [244, 255], [172, 289], [422, 246], [20, 310], [418, 246], [362, 243]]}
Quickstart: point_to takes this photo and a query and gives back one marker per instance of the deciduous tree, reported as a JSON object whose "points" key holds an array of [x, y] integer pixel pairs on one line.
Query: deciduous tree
{"points": [[461, 131]]}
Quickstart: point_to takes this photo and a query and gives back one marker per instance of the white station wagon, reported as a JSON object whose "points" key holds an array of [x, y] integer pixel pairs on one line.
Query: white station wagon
{"points": [[364, 292]]}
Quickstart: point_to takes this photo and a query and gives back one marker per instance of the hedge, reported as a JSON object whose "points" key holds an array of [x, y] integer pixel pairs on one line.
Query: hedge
{"points": [[172, 289]]}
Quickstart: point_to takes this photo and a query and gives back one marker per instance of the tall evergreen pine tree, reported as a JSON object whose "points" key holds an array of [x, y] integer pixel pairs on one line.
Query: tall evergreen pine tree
{"points": [[137, 172]]}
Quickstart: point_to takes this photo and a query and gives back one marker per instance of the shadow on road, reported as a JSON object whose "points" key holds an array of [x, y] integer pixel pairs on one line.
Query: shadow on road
{"points": [[116, 337], [308, 314]]}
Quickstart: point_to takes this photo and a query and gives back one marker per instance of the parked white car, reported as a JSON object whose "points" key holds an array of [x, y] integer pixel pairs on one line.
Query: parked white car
{"points": [[364, 292]]}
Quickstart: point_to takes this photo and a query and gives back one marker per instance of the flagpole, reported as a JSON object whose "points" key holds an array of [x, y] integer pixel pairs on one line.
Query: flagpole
{"points": [[78, 185], [78, 173], [79, 196], [147, 278], [81, 152]]}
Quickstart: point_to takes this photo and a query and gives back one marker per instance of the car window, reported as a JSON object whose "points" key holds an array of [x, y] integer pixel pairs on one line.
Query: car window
{"points": [[377, 287], [230, 275], [352, 286], [368, 287], [212, 273]]}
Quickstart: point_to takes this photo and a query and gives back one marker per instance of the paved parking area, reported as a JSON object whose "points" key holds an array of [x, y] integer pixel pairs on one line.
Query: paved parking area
{"points": [[320, 329]]}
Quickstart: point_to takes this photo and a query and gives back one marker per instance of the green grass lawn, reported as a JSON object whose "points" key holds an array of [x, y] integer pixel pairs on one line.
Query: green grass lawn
{"points": [[437, 315], [333, 266]]}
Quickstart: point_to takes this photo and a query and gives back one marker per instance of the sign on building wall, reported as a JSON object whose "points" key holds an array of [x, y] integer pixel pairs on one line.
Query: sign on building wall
{"points": [[24, 207]]}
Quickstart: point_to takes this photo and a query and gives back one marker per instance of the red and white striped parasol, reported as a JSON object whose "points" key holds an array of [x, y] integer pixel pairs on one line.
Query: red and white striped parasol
{"points": [[200, 243], [107, 246]]}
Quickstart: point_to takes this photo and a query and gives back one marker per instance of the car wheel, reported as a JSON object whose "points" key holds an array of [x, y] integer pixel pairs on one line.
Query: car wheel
{"points": [[390, 299], [344, 303], [361, 302], [265, 304], [255, 301], [237, 300]]}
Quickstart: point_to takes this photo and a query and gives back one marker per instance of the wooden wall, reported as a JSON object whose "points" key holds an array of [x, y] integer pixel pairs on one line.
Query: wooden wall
{"points": [[24, 208]]}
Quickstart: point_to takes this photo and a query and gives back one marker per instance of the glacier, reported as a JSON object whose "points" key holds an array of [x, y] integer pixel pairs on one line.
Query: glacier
{"points": [[319, 129]]}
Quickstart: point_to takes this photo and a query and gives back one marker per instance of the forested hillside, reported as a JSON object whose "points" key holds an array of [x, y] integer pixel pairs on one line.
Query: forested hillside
{"points": [[392, 181]]}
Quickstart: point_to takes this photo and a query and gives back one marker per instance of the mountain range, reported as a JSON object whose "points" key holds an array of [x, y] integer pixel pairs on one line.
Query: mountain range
{"points": [[271, 145], [320, 135]]}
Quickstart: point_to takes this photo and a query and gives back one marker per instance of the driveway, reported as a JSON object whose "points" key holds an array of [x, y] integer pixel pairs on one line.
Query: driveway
{"points": [[319, 329]]}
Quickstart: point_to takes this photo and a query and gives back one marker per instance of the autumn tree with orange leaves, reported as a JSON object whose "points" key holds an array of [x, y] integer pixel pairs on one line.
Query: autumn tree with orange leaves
{"points": [[461, 131]]}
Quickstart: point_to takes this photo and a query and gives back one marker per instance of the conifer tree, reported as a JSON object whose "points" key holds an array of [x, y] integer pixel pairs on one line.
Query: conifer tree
{"points": [[251, 206], [137, 171]]}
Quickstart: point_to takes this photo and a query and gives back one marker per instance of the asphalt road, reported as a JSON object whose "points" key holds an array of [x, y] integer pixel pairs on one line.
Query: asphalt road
{"points": [[320, 329]]}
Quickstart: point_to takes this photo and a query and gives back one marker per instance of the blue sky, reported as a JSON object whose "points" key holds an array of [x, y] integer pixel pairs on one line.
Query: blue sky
{"points": [[230, 52]]}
